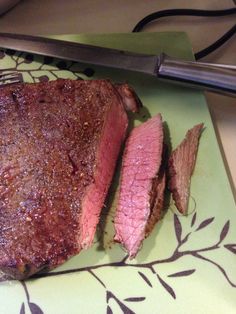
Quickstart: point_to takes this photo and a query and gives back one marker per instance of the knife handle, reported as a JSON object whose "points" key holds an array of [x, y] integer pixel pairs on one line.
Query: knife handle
{"points": [[217, 78]]}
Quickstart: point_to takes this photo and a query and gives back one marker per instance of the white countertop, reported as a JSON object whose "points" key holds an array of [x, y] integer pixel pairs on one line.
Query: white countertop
{"points": [[102, 16]]}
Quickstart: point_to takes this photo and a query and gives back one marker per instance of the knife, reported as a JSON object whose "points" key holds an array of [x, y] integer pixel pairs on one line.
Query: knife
{"points": [[214, 77]]}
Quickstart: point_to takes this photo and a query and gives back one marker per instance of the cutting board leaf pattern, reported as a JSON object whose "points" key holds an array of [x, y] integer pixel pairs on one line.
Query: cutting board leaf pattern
{"points": [[41, 69], [151, 267], [147, 273]]}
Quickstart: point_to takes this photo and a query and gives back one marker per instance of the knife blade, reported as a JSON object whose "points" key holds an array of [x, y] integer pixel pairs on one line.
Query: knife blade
{"points": [[79, 52], [218, 78]]}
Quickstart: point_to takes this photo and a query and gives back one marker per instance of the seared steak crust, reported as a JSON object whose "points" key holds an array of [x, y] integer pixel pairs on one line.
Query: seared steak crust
{"points": [[59, 142]]}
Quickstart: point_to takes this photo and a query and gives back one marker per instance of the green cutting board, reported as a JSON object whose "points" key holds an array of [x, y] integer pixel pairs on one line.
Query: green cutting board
{"points": [[188, 264]]}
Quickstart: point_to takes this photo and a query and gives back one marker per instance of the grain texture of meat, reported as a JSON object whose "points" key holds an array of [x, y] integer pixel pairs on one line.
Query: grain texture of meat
{"points": [[59, 142], [180, 167], [139, 199]]}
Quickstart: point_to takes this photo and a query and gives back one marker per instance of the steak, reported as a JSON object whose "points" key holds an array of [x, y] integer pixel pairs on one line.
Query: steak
{"points": [[157, 195], [180, 167], [58, 149], [141, 187]]}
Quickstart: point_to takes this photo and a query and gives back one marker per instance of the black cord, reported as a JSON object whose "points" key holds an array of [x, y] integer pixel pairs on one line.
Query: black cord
{"points": [[192, 12], [218, 43]]}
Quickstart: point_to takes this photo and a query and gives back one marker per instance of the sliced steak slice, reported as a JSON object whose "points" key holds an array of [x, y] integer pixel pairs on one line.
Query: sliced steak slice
{"points": [[157, 195], [58, 148], [140, 166], [180, 168]]}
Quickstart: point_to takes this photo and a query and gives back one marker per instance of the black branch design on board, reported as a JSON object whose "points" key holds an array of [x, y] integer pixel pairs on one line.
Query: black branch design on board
{"points": [[34, 308], [111, 296], [144, 268], [177, 253]]}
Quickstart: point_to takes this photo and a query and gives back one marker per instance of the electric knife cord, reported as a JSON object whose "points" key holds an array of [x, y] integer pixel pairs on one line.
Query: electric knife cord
{"points": [[192, 12]]}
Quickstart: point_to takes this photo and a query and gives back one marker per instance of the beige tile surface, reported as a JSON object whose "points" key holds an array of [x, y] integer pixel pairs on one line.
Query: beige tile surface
{"points": [[91, 16]]}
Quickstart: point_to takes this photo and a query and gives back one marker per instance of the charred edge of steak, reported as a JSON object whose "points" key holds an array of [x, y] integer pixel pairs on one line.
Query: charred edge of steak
{"points": [[19, 271], [129, 98], [181, 166], [157, 194]]}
